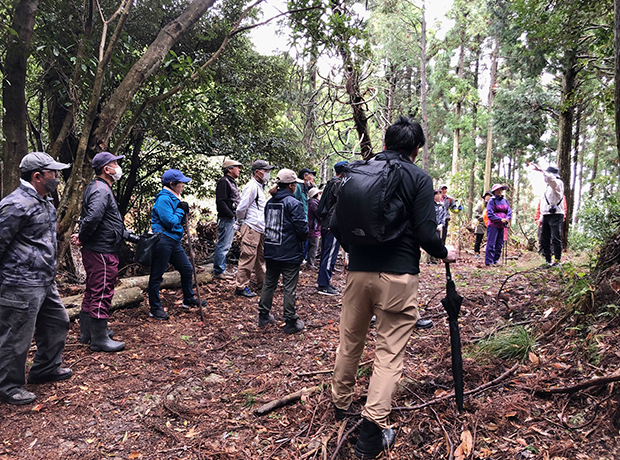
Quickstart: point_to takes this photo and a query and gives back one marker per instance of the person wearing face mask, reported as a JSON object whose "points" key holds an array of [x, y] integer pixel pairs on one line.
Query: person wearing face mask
{"points": [[29, 301], [499, 214], [100, 235], [306, 177], [251, 210]]}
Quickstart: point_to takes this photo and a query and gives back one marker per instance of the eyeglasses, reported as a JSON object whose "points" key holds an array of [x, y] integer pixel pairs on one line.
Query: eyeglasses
{"points": [[53, 172]]}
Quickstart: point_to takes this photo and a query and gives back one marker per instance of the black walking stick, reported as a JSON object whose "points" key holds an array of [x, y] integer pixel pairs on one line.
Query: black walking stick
{"points": [[192, 256], [452, 303]]}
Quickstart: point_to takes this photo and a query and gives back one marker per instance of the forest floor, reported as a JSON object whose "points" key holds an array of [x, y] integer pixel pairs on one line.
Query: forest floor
{"points": [[182, 389]]}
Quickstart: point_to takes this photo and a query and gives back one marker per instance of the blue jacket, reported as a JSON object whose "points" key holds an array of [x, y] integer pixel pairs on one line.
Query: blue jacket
{"points": [[286, 228], [166, 216]]}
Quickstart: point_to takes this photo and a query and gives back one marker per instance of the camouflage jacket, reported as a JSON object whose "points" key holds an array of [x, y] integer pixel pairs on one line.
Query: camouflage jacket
{"points": [[28, 248]]}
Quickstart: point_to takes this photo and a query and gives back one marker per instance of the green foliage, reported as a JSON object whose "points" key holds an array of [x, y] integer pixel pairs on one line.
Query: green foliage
{"points": [[598, 220], [515, 343]]}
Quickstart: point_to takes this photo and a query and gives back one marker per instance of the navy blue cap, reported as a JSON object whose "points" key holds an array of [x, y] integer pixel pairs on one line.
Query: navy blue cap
{"points": [[103, 158], [339, 167], [174, 175]]}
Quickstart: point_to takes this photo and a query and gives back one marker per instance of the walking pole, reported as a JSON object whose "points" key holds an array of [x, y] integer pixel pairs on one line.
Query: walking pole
{"points": [[505, 245], [192, 256]]}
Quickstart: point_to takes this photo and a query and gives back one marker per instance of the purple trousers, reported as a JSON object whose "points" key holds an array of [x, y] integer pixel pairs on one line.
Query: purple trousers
{"points": [[101, 271], [495, 243]]}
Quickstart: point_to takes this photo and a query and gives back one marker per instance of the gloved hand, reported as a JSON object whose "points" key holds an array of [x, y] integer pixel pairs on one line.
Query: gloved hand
{"points": [[460, 208], [131, 236], [184, 205]]}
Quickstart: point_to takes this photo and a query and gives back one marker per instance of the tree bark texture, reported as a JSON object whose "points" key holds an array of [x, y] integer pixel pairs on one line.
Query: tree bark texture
{"points": [[359, 113], [617, 71], [423, 87], [565, 135], [492, 90], [15, 120]]}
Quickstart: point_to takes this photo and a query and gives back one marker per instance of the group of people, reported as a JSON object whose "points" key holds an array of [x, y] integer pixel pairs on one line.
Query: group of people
{"points": [[276, 237], [493, 213]]}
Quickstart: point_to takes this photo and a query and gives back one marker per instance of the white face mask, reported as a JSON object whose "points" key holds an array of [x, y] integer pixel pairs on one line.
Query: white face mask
{"points": [[118, 173], [266, 176]]}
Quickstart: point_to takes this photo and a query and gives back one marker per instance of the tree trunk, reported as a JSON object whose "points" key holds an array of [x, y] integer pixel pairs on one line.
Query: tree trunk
{"points": [[359, 113], [598, 145], [565, 135], [423, 85], [492, 90], [15, 119], [132, 175], [309, 131], [457, 111], [617, 71]]}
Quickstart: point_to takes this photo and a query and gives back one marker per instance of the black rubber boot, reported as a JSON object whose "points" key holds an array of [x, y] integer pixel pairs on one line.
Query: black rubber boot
{"points": [[373, 441], [100, 340], [85, 328]]}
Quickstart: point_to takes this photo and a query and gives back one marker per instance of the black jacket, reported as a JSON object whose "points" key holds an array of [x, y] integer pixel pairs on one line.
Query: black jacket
{"points": [[286, 228], [403, 254], [101, 224], [226, 197], [329, 199]]}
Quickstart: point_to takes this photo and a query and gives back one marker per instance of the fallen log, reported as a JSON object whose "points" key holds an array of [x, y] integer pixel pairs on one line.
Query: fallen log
{"points": [[293, 397], [122, 298], [171, 280]]}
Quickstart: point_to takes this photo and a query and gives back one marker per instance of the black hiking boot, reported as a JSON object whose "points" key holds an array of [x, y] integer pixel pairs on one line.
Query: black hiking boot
{"points": [[85, 328], [373, 441], [100, 341]]}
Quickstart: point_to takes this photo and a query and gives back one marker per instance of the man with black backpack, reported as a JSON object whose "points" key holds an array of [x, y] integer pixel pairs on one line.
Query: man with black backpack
{"points": [[329, 244], [384, 248]]}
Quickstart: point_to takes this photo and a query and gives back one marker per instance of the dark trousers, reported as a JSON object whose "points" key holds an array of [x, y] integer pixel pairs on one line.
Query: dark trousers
{"points": [[27, 311], [169, 250], [479, 238], [101, 271], [290, 276], [444, 232], [313, 245], [552, 235], [495, 243], [329, 256]]}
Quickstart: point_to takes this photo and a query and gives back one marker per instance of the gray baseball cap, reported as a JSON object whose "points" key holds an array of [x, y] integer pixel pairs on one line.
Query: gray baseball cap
{"points": [[261, 164], [40, 160]]}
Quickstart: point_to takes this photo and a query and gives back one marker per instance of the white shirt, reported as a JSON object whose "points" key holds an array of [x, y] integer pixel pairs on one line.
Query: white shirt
{"points": [[553, 196], [252, 206]]}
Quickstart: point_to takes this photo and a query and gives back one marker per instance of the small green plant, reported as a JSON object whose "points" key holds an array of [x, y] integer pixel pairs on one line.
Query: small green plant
{"points": [[186, 339], [364, 371], [250, 400], [515, 343]]}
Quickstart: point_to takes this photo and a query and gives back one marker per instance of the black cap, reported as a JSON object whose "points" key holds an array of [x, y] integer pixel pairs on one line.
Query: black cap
{"points": [[304, 171]]}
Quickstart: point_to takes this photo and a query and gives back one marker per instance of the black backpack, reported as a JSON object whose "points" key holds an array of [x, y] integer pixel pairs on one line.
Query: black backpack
{"points": [[322, 209], [369, 210]]}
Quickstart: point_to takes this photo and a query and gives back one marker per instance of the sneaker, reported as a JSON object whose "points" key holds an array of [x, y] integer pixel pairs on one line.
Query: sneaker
{"points": [[222, 276], [159, 314], [19, 397], [62, 373], [424, 323], [193, 303], [327, 290], [265, 320], [294, 326], [245, 292]]}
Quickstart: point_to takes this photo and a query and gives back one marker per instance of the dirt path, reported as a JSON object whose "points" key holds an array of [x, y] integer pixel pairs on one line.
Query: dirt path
{"points": [[186, 390]]}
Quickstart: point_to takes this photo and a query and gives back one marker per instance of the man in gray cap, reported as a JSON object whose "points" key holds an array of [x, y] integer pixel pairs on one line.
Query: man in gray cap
{"points": [[251, 210], [100, 235], [226, 200], [29, 301]]}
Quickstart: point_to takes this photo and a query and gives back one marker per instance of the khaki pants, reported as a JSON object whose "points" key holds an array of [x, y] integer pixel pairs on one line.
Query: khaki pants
{"points": [[394, 299], [251, 257]]}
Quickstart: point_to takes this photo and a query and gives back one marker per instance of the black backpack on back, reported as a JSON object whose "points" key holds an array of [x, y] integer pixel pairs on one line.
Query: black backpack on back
{"points": [[369, 209]]}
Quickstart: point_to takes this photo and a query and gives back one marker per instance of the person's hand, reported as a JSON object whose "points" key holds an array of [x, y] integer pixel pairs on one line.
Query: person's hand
{"points": [[504, 220], [184, 205], [75, 240], [539, 222], [535, 167], [451, 257]]}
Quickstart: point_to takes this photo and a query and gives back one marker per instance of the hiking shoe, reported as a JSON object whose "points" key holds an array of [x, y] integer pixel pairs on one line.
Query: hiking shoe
{"points": [[372, 440], [424, 323], [373, 320], [223, 276], [265, 320], [159, 314], [293, 326], [19, 397], [327, 290], [62, 373], [193, 303], [341, 414], [245, 292]]}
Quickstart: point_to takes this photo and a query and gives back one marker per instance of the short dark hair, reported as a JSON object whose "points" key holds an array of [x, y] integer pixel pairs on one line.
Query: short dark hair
{"points": [[404, 136], [27, 176], [437, 192], [98, 171]]}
